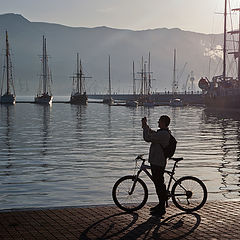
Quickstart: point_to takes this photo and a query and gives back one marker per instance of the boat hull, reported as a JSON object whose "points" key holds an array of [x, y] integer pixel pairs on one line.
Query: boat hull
{"points": [[223, 102], [131, 103], [43, 99], [108, 100], [8, 99], [148, 104], [176, 102], [80, 99]]}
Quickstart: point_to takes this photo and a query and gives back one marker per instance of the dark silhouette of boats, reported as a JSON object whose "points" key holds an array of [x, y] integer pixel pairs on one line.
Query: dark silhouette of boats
{"points": [[222, 91], [144, 98], [9, 97]]}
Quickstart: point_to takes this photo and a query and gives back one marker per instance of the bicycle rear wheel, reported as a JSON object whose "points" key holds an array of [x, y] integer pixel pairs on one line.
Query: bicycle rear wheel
{"points": [[189, 193], [127, 196]]}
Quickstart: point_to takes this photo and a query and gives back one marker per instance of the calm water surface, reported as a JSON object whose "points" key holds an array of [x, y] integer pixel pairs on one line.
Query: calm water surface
{"points": [[68, 155]]}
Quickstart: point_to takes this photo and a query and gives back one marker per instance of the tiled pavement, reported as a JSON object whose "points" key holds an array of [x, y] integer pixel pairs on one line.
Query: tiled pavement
{"points": [[216, 220]]}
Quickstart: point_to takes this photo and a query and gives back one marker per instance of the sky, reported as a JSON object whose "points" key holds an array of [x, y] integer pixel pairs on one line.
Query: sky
{"points": [[191, 15]]}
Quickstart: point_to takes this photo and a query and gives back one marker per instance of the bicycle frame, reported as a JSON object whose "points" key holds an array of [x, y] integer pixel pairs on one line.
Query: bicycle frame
{"points": [[145, 168]]}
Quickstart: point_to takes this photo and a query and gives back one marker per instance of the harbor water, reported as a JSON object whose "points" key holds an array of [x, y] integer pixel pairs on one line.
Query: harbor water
{"points": [[69, 155]]}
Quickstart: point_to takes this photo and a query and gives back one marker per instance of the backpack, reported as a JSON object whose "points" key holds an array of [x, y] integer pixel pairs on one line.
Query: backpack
{"points": [[169, 150]]}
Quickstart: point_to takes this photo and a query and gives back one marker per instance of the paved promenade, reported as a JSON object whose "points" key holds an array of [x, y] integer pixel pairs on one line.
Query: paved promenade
{"points": [[216, 220]]}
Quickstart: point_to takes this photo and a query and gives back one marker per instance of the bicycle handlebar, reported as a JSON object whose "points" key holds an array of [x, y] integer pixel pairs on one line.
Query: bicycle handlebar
{"points": [[140, 157]]}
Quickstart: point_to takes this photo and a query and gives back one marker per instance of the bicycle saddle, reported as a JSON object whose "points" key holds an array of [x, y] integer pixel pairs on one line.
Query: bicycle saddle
{"points": [[176, 159]]}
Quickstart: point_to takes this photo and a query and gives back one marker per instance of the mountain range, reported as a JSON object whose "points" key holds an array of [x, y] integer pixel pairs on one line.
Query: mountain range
{"points": [[194, 50]]}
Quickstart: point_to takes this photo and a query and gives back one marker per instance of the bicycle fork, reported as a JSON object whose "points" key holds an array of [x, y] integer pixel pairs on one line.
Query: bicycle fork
{"points": [[134, 182]]}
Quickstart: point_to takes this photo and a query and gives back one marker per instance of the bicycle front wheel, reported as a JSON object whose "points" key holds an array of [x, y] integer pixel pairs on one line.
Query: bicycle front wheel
{"points": [[130, 194], [189, 193]]}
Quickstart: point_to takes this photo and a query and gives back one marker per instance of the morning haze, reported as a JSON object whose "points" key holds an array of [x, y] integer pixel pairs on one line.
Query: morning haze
{"points": [[94, 46]]}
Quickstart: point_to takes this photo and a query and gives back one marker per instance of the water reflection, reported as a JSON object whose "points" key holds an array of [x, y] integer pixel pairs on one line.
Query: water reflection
{"points": [[7, 116], [79, 114], [146, 112], [135, 121], [173, 120], [229, 168], [44, 114], [71, 155]]}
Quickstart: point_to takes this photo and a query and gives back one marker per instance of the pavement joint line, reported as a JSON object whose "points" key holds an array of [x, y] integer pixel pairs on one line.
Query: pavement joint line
{"points": [[97, 205]]}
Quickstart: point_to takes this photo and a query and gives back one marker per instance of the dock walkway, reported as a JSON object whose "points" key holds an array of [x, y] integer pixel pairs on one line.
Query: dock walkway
{"points": [[216, 220]]}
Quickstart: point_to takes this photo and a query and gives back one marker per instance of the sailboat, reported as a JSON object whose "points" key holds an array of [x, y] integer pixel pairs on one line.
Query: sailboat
{"points": [[133, 102], [223, 92], [8, 97], [44, 95], [108, 98], [175, 102], [145, 98], [79, 95]]}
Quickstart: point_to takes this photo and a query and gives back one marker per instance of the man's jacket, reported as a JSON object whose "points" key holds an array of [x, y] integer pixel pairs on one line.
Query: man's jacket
{"points": [[159, 139]]}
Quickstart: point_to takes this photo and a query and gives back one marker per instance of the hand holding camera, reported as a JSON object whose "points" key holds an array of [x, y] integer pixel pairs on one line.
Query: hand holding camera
{"points": [[144, 122]]}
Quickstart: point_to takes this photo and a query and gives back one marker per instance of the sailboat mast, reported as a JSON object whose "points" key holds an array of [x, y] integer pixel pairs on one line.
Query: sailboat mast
{"points": [[149, 74], [109, 77], [224, 41], [78, 74], [237, 53], [174, 72], [7, 63], [44, 66], [134, 81], [238, 45], [142, 77], [81, 78], [145, 79]]}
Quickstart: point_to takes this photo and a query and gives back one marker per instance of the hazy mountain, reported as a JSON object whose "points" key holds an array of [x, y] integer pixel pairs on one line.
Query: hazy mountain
{"points": [[94, 46]]}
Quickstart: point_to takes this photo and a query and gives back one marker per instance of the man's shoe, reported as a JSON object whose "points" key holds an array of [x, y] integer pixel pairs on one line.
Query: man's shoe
{"points": [[157, 207]]}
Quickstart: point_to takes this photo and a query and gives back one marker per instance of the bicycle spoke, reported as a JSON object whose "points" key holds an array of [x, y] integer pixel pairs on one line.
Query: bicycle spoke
{"points": [[129, 193], [125, 198], [189, 193]]}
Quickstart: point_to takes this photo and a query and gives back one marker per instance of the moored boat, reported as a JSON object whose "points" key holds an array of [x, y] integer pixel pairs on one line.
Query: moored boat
{"points": [[44, 95], [44, 98], [9, 97], [223, 92], [108, 98], [131, 103], [79, 95], [78, 98], [145, 96], [176, 102]]}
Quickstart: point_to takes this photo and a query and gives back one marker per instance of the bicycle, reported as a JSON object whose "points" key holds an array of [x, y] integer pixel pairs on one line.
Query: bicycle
{"points": [[130, 193]]}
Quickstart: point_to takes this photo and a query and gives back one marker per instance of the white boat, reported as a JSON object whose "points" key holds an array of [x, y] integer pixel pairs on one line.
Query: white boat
{"points": [[176, 102], [8, 97], [108, 98], [131, 103], [44, 95]]}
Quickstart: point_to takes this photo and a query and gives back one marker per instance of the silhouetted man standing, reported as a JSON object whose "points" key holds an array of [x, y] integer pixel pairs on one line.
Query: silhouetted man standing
{"points": [[159, 139]]}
